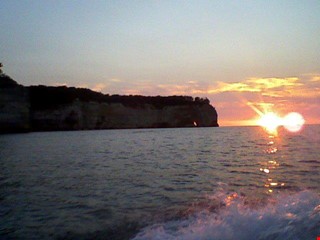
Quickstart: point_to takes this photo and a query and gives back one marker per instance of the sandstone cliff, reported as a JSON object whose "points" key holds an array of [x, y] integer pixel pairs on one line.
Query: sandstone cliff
{"points": [[93, 115], [41, 108]]}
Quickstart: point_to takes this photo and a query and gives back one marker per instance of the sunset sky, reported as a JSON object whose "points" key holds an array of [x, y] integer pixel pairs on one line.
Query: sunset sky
{"points": [[242, 55]]}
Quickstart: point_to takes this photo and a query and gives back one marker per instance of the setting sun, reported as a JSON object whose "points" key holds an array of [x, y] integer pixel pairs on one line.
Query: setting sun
{"points": [[270, 121], [293, 121]]}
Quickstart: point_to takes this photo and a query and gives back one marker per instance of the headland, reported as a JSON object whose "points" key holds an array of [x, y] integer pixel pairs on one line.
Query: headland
{"points": [[47, 108]]}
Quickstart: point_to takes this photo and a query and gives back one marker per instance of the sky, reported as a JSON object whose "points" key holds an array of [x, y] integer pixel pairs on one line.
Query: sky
{"points": [[244, 56]]}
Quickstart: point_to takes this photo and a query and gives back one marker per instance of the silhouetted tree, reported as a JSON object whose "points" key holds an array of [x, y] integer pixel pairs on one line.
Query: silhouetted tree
{"points": [[0, 68], [50, 97]]}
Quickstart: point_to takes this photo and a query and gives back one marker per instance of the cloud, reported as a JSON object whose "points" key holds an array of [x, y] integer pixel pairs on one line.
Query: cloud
{"points": [[58, 84], [271, 83], [262, 85], [273, 87], [83, 85], [151, 88], [115, 80], [232, 87], [282, 95], [99, 87], [313, 77]]}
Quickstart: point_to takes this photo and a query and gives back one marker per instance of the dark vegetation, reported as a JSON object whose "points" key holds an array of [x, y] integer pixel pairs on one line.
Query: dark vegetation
{"points": [[6, 81], [44, 97]]}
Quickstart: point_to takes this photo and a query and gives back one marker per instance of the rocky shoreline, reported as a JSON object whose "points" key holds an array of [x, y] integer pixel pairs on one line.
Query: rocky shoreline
{"points": [[44, 108]]}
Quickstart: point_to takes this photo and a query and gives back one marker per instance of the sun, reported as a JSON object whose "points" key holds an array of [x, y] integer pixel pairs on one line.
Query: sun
{"points": [[270, 121], [293, 122]]}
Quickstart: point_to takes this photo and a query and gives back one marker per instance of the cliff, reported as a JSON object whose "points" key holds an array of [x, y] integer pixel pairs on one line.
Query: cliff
{"points": [[42, 108], [14, 106]]}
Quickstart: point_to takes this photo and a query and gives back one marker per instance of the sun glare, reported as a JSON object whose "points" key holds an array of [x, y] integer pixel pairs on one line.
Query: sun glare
{"points": [[270, 121], [293, 122]]}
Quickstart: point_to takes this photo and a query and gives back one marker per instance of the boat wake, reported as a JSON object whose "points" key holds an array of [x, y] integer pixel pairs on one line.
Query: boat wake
{"points": [[285, 216]]}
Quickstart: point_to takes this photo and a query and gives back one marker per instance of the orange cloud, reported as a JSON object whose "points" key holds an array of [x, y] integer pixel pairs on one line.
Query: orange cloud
{"points": [[99, 87], [232, 87], [255, 85], [270, 83], [116, 80]]}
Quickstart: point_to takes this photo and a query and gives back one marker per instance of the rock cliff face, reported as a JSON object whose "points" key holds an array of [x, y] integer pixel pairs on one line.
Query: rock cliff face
{"points": [[41, 108], [14, 106], [93, 115]]}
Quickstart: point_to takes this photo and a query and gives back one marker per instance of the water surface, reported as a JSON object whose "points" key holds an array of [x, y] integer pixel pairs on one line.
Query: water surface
{"points": [[187, 183]]}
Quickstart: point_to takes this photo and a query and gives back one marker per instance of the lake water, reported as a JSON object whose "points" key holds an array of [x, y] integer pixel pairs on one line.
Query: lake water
{"points": [[187, 183]]}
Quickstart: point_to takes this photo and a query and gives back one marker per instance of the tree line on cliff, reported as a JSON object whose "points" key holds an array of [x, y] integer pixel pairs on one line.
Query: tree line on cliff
{"points": [[42, 97], [48, 97]]}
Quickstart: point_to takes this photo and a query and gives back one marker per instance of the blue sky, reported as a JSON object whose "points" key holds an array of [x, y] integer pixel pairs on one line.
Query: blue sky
{"points": [[164, 47]]}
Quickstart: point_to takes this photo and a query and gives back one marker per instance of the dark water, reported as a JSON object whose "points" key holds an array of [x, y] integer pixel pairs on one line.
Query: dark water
{"points": [[197, 183]]}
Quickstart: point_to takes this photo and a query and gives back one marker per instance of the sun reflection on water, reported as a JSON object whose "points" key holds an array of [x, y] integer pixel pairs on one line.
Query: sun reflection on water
{"points": [[270, 121], [270, 167], [229, 199]]}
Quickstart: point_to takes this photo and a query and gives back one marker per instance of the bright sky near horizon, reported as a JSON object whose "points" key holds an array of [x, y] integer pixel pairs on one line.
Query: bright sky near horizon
{"points": [[242, 55]]}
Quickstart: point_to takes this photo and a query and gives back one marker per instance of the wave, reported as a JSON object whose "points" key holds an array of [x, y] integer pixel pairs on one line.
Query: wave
{"points": [[285, 216]]}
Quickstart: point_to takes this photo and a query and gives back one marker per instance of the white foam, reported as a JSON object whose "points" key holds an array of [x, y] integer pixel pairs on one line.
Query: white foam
{"points": [[285, 216]]}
